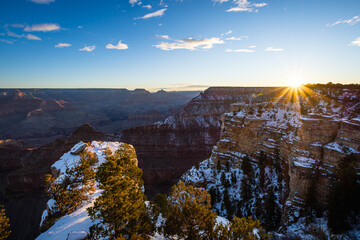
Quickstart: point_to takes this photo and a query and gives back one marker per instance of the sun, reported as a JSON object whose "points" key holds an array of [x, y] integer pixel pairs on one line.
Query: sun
{"points": [[296, 82]]}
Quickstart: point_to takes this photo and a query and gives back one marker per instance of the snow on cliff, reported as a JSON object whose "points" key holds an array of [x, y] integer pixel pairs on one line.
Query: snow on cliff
{"points": [[79, 219]]}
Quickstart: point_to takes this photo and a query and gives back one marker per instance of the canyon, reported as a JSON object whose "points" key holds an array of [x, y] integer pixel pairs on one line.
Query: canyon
{"points": [[40, 116], [299, 139], [223, 123]]}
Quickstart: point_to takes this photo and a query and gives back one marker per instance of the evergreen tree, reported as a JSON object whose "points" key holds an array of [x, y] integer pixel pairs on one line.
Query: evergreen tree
{"points": [[161, 204], [227, 166], [311, 204], [262, 164], [4, 224], [190, 216], [120, 209], [227, 204], [72, 189], [218, 166], [243, 228], [272, 214], [246, 181], [344, 196]]}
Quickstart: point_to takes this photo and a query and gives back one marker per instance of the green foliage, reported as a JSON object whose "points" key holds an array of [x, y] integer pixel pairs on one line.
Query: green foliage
{"points": [[344, 196], [161, 204], [190, 216], [247, 180], [120, 209], [272, 213], [218, 166], [4, 224], [69, 192], [243, 228]]}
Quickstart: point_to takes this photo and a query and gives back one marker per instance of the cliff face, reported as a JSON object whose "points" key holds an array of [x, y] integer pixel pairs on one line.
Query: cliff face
{"points": [[22, 177], [168, 148], [304, 137], [39, 116]]}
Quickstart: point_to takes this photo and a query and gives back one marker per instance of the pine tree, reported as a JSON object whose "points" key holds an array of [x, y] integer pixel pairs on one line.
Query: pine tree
{"points": [[262, 163], [74, 187], [121, 208], [344, 196], [190, 216], [272, 213], [311, 204], [218, 166], [4, 224], [243, 228], [246, 181]]}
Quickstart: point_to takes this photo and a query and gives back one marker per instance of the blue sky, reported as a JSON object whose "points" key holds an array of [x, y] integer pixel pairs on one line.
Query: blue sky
{"points": [[177, 45]]}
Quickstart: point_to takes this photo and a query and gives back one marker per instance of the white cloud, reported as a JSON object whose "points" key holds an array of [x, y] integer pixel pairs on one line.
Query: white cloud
{"points": [[189, 44], [272, 49], [356, 42], [147, 6], [62, 45], [45, 27], [6, 41], [32, 37], [165, 37], [157, 13], [133, 2], [228, 32], [42, 1], [88, 48], [243, 5], [119, 46], [233, 39], [351, 21], [253, 46], [245, 50]]}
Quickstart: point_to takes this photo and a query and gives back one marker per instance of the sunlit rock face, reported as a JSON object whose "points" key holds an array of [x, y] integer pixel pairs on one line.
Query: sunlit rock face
{"points": [[308, 132], [168, 148]]}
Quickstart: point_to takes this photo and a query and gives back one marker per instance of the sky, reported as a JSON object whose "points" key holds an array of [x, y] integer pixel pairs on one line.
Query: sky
{"points": [[177, 45]]}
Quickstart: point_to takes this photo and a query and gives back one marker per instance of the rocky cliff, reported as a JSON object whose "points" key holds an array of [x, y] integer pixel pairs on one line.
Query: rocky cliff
{"points": [[22, 177], [39, 116], [168, 148], [297, 135]]}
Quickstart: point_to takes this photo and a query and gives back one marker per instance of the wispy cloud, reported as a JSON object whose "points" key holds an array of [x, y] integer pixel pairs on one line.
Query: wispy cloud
{"points": [[233, 39], [157, 13], [27, 36], [355, 43], [243, 5], [119, 46], [6, 41], [165, 37], [272, 49], [88, 48], [351, 21], [42, 1], [133, 2], [244, 50], [32, 37], [62, 45], [45, 27], [253, 46], [189, 44], [147, 6]]}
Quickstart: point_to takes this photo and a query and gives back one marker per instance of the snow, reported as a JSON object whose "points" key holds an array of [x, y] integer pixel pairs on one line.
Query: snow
{"points": [[79, 219], [304, 162], [77, 235], [342, 149], [76, 221]]}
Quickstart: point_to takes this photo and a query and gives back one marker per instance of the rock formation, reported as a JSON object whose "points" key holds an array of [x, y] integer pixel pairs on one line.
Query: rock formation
{"points": [[168, 148], [306, 133]]}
